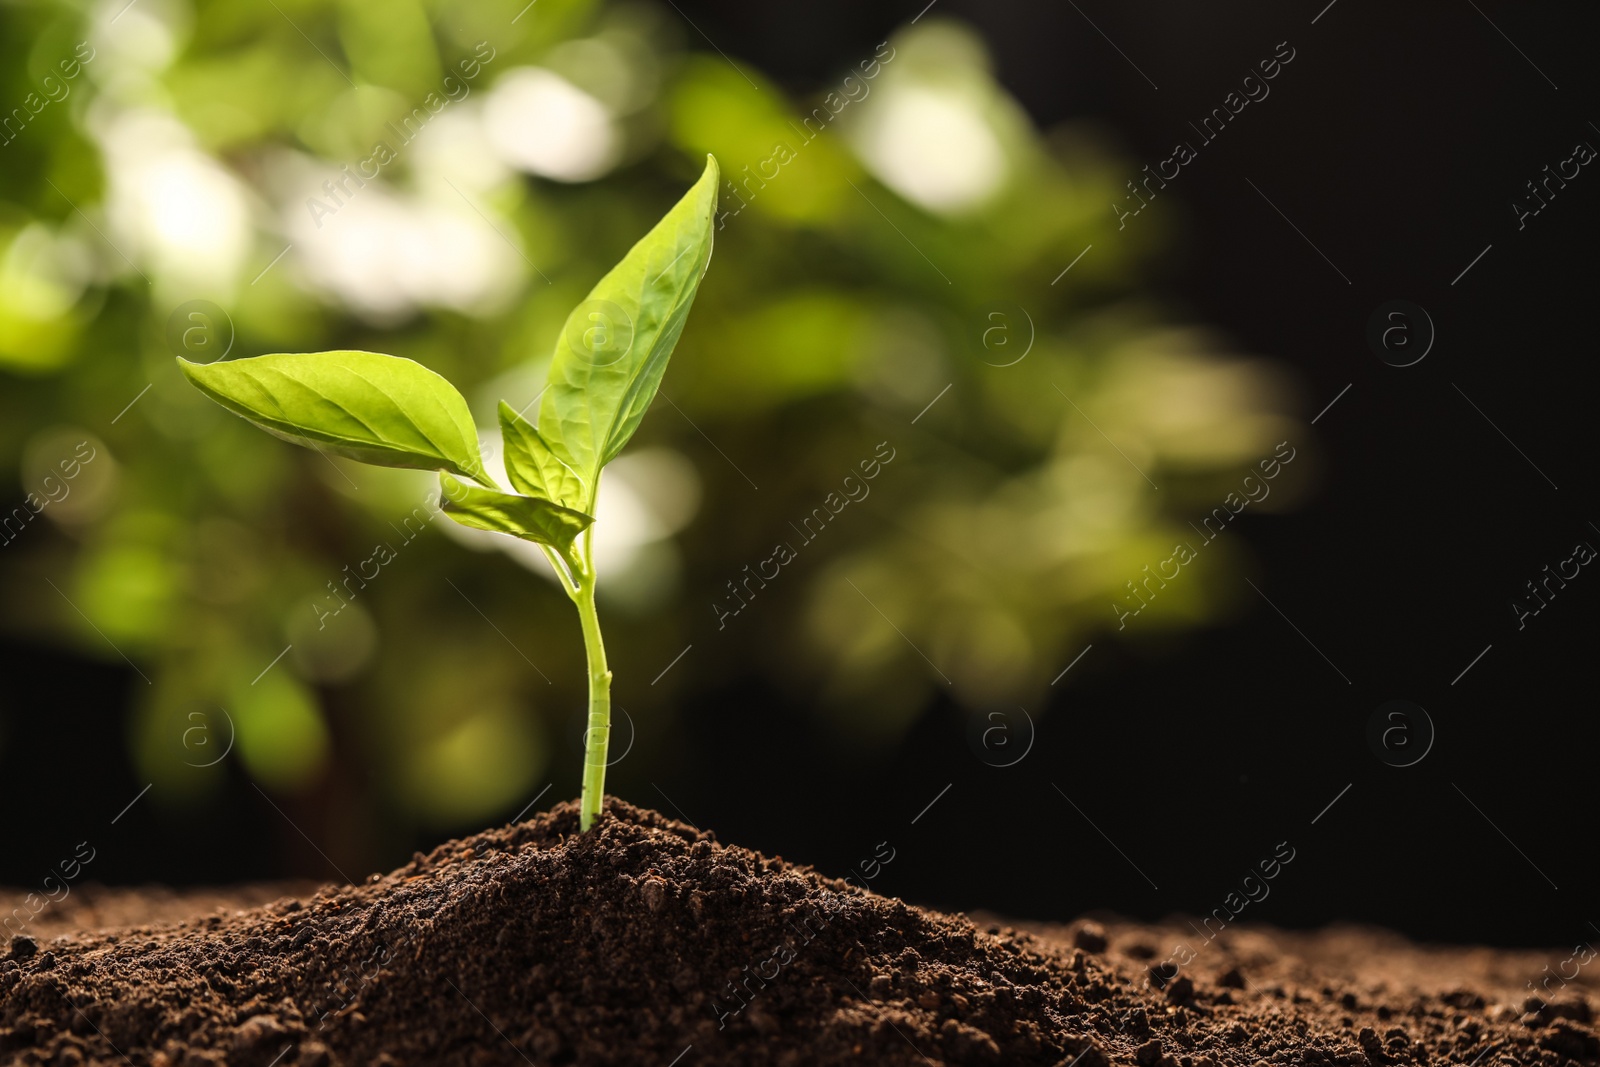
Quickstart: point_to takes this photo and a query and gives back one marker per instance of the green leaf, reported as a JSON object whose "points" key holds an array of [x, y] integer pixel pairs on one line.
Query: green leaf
{"points": [[534, 469], [614, 349], [530, 518], [370, 407]]}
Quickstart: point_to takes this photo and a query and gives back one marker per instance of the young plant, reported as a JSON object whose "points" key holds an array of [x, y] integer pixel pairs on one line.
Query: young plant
{"points": [[608, 363]]}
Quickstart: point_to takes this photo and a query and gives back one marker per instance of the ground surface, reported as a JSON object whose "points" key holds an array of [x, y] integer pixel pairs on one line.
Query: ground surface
{"points": [[647, 942]]}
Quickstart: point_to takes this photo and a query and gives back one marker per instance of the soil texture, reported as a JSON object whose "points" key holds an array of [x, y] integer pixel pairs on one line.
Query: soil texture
{"points": [[646, 941]]}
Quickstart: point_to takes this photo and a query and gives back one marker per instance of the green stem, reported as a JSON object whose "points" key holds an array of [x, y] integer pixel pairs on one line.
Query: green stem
{"points": [[597, 738]]}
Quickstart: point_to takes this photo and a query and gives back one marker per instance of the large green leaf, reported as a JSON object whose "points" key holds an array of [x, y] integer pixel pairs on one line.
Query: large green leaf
{"points": [[374, 408], [614, 349], [528, 517], [534, 469]]}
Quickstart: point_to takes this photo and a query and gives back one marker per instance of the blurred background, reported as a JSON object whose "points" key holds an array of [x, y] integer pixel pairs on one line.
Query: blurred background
{"points": [[957, 245]]}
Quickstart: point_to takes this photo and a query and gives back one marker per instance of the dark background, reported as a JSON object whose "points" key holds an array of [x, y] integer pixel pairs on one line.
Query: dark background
{"points": [[1396, 141]]}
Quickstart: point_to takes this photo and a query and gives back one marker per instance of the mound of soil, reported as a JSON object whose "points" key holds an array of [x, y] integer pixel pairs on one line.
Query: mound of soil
{"points": [[648, 942]]}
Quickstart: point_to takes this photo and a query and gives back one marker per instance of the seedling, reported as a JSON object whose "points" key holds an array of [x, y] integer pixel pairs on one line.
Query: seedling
{"points": [[393, 412]]}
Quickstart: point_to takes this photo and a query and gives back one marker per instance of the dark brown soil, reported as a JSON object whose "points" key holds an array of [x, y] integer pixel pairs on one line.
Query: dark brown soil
{"points": [[647, 942]]}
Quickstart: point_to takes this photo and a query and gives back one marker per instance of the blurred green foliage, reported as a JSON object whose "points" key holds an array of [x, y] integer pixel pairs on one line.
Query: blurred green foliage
{"points": [[898, 230]]}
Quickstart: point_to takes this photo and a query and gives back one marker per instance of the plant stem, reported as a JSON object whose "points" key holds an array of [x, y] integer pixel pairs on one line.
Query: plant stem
{"points": [[597, 738]]}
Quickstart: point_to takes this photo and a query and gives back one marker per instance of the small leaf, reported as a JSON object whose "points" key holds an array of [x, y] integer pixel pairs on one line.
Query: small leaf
{"points": [[614, 348], [378, 409], [534, 469], [530, 518]]}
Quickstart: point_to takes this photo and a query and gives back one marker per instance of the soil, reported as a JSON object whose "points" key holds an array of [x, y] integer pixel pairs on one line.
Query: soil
{"points": [[648, 942]]}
